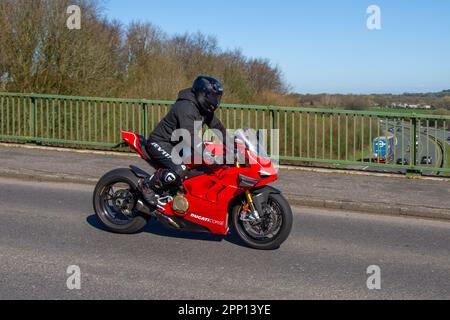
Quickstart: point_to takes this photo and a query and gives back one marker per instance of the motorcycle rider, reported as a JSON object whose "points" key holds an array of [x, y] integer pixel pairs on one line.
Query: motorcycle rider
{"points": [[194, 105]]}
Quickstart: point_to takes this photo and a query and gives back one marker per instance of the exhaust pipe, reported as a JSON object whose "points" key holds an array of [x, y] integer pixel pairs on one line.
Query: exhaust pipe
{"points": [[156, 214]]}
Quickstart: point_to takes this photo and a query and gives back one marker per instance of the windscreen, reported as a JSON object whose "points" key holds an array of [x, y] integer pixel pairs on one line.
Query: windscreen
{"points": [[254, 141]]}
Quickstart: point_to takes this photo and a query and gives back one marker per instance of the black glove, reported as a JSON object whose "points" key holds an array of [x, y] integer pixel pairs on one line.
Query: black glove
{"points": [[211, 159]]}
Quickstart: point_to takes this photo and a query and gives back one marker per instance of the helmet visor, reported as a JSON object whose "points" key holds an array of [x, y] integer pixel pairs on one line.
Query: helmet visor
{"points": [[214, 99]]}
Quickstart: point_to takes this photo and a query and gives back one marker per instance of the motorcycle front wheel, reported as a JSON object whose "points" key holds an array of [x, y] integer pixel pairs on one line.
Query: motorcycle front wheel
{"points": [[114, 200], [273, 229]]}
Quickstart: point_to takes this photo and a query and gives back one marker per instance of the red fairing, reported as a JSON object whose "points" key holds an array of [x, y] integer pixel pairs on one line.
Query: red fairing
{"points": [[133, 140], [209, 194]]}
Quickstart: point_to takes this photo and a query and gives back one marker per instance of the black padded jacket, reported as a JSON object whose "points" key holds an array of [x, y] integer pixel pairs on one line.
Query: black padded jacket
{"points": [[183, 114]]}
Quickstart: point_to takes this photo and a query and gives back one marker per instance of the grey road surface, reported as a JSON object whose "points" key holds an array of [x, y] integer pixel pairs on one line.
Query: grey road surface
{"points": [[45, 227]]}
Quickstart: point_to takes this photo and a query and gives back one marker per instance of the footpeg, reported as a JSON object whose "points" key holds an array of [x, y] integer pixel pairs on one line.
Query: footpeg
{"points": [[149, 195]]}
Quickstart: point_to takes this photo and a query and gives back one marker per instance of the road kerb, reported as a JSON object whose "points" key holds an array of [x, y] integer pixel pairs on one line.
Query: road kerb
{"points": [[284, 167], [371, 208], [295, 200]]}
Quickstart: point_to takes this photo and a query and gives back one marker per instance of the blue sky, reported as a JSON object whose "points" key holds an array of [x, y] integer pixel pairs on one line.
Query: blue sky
{"points": [[322, 45]]}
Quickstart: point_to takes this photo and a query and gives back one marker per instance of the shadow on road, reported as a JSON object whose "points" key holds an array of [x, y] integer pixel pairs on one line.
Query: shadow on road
{"points": [[156, 228]]}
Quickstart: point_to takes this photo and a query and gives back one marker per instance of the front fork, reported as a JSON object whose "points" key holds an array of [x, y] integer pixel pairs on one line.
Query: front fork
{"points": [[254, 214]]}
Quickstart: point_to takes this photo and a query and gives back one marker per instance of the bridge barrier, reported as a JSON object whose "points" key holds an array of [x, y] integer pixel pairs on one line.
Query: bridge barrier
{"points": [[315, 136]]}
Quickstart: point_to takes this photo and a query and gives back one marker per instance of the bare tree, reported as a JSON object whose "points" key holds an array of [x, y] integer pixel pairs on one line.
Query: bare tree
{"points": [[40, 54]]}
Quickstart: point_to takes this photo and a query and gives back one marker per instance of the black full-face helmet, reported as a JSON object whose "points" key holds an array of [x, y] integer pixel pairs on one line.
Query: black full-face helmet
{"points": [[208, 92]]}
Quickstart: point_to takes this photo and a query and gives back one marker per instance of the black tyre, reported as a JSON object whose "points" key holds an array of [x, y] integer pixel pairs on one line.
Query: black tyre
{"points": [[114, 201], [275, 229]]}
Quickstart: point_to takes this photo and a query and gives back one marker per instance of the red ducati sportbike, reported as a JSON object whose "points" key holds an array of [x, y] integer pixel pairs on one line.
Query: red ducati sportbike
{"points": [[213, 199]]}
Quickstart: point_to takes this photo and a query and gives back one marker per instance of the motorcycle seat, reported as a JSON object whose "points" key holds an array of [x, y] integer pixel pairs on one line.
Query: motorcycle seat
{"points": [[143, 146]]}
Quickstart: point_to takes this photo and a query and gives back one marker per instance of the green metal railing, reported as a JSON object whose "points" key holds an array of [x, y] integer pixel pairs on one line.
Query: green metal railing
{"points": [[316, 136]]}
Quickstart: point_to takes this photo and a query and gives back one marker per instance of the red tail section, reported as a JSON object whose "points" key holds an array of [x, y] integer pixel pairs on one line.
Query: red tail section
{"points": [[134, 141]]}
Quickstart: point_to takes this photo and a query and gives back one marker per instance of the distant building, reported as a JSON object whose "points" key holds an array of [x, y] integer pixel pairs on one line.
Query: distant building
{"points": [[409, 106]]}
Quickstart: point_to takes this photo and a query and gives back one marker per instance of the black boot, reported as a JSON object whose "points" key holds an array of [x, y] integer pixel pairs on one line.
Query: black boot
{"points": [[149, 195]]}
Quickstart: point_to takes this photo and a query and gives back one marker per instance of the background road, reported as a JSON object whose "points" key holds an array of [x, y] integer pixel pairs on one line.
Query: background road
{"points": [[426, 147], [45, 227]]}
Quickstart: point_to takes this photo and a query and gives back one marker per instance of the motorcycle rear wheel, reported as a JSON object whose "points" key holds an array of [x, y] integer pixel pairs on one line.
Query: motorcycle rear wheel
{"points": [[116, 208], [279, 215]]}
